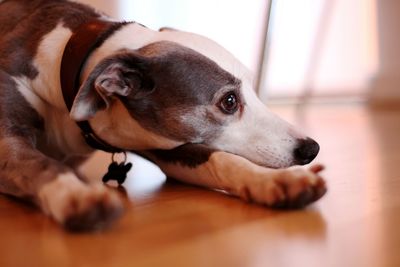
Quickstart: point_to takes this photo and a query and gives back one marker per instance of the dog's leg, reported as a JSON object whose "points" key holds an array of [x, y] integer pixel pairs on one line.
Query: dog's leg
{"points": [[27, 173], [293, 187]]}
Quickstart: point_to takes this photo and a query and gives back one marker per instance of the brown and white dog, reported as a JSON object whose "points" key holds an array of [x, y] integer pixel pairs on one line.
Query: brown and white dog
{"points": [[177, 98]]}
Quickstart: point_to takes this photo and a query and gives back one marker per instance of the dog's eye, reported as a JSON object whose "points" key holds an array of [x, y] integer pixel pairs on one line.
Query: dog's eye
{"points": [[229, 103]]}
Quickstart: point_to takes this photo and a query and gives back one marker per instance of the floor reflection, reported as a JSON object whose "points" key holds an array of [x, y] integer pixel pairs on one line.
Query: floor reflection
{"points": [[144, 179]]}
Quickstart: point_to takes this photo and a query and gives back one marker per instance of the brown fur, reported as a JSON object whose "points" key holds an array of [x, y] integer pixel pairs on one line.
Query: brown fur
{"points": [[31, 20], [20, 127]]}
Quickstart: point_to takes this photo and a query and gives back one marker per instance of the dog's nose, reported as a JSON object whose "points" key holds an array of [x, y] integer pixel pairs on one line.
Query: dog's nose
{"points": [[306, 151]]}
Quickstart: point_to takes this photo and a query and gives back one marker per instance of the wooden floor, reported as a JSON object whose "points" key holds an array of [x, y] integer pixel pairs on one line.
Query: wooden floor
{"points": [[170, 224]]}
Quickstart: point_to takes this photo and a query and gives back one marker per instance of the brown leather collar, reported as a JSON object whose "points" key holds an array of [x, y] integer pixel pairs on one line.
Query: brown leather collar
{"points": [[86, 38]]}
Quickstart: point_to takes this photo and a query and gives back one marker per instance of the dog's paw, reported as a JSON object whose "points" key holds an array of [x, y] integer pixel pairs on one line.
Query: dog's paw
{"points": [[81, 207], [94, 209], [290, 188], [300, 186]]}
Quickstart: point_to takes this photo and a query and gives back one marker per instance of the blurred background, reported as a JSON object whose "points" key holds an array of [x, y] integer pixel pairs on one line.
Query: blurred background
{"points": [[309, 50]]}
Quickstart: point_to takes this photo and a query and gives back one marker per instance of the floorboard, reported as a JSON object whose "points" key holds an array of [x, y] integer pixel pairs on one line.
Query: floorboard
{"points": [[171, 224]]}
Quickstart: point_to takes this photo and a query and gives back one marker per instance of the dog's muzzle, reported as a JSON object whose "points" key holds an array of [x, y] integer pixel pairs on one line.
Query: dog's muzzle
{"points": [[306, 151]]}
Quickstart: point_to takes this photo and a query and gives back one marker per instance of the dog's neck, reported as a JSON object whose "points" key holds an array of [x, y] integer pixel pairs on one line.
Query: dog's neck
{"points": [[87, 38]]}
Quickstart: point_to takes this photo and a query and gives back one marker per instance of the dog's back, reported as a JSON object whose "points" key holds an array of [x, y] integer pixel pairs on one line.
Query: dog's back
{"points": [[25, 22], [21, 8]]}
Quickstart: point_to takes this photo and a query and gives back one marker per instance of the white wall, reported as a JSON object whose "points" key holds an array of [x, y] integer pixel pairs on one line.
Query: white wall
{"points": [[328, 45], [385, 86], [359, 51], [235, 24]]}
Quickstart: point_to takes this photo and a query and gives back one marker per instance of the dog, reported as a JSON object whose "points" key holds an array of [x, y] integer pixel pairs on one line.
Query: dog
{"points": [[73, 81]]}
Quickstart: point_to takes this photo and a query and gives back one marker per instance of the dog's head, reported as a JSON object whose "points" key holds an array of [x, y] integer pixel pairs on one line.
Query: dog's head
{"points": [[166, 94]]}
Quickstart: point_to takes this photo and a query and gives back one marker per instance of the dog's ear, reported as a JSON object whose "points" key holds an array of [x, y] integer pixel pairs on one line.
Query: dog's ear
{"points": [[109, 80]]}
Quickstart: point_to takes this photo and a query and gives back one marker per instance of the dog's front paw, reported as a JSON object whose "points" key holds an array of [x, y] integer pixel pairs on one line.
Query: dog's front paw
{"points": [[290, 188], [301, 186], [95, 208], [80, 207]]}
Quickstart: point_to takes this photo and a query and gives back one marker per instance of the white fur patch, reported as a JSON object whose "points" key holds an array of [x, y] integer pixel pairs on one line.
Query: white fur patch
{"points": [[45, 96], [118, 128], [259, 135], [53, 194], [24, 86], [48, 61]]}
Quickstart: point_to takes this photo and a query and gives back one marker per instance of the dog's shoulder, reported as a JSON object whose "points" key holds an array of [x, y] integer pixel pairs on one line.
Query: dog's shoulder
{"points": [[17, 116], [25, 22]]}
